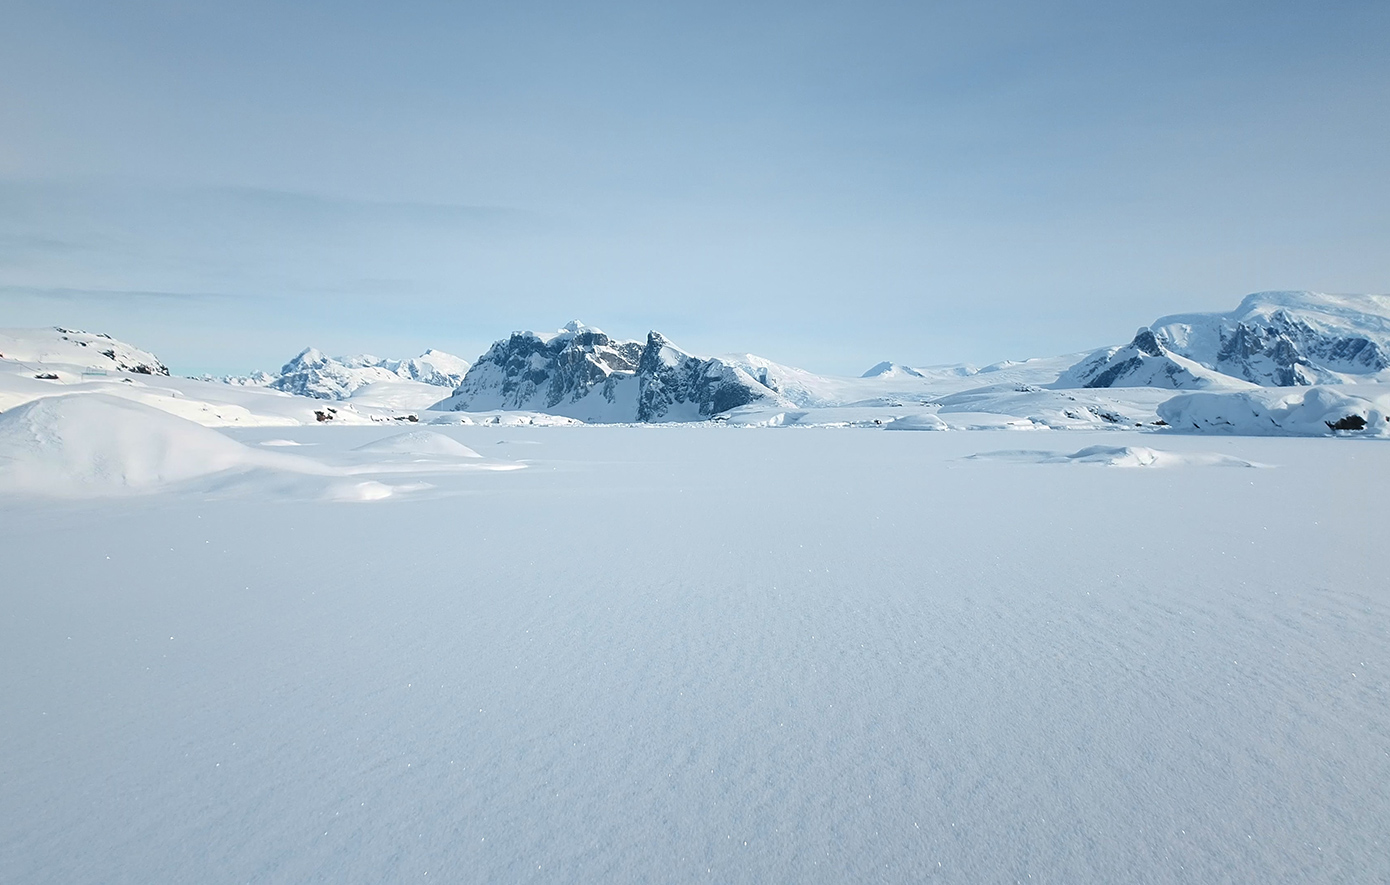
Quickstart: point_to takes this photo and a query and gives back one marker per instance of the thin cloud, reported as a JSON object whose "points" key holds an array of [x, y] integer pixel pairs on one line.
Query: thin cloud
{"points": [[108, 296]]}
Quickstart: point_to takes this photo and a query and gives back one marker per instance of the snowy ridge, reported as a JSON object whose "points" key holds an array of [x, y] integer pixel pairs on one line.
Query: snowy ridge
{"points": [[1144, 362], [314, 374]]}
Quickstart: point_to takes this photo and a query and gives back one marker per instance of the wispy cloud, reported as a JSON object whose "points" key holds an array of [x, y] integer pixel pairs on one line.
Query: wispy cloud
{"points": [[111, 296]]}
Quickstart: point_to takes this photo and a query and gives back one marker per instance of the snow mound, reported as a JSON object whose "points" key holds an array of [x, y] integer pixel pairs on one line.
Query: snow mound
{"points": [[94, 444], [1314, 411], [420, 442], [917, 422], [1119, 456]]}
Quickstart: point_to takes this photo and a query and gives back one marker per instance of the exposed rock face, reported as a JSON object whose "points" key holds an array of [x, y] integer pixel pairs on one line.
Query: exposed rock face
{"points": [[1286, 351], [672, 381], [583, 373], [1274, 339]]}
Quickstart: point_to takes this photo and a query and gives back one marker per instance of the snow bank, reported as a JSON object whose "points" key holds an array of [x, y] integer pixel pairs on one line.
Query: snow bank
{"points": [[1313, 411], [916, 422], [1119, 456], [98, 444]]}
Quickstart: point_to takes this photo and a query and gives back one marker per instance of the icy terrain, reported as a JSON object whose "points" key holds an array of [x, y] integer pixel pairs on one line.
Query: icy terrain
{"points": [[703, 653]]}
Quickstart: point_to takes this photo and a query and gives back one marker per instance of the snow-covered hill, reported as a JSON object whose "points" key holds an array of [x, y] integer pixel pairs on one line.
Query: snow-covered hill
{"points": [[888, 369], [1273, 339], [580, 372], [71, 351]]}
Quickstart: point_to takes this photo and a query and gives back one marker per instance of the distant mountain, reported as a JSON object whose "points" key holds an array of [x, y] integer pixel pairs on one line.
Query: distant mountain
{"points": [[1273, 339], [314, 374], [888, 369], [1144, 362], [580, 372], [69, 348]]}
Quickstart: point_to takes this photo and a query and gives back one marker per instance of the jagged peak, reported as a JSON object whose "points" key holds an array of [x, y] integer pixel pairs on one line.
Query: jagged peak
{"points": [[1145, 342]]}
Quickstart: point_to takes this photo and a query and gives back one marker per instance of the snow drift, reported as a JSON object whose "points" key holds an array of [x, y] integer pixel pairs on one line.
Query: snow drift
{"points": [[99, 444], [423, 443], [1315, 411], [1119, 456]]}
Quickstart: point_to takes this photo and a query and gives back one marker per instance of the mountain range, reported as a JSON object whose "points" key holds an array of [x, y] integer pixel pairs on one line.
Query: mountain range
{"points": [[1272, 342], [314, 374]]}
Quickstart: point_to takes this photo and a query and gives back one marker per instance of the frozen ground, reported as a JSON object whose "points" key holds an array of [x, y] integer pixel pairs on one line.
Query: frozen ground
{"points": [[711, 654]]}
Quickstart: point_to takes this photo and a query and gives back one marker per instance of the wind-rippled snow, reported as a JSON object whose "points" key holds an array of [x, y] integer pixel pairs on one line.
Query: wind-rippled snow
{"points": [[715, 655]]}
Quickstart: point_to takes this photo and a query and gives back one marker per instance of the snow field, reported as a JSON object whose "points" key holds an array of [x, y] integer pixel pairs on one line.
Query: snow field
{"points": [[705, 654]]}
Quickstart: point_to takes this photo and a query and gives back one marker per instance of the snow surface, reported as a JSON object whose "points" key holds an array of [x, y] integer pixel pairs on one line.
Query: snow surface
{"points": [[700, 653]]}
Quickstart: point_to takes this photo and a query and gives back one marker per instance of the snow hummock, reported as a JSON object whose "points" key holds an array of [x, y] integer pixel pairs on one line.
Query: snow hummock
{"points": [[420, 442], [926, 421], [99, 444], [1119, 456]]}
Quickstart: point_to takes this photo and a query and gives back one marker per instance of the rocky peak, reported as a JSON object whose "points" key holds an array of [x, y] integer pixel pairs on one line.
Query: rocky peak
{"points": [[581, 372]]}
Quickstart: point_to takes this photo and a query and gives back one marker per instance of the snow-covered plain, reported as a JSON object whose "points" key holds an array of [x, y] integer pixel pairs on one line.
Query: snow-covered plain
{"points": [[707, 654]]}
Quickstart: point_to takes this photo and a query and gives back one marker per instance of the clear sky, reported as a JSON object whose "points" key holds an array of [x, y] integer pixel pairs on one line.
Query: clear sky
{"points": [[826, 184]]}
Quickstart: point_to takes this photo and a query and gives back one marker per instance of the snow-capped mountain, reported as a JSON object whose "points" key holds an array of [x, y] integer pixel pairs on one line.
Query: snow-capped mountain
{"points": [[314, 374], [580, 372], [1144, 362], [887, 369], [70, 349], [1287, 339], [1273, 339]]}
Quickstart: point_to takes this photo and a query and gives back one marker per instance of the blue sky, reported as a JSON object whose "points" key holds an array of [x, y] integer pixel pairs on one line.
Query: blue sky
{"points": [[826, 184]]}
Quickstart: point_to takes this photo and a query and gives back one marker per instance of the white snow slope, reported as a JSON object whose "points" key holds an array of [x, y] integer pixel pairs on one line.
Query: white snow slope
{"points": [[702, 654], [98, 445]]}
